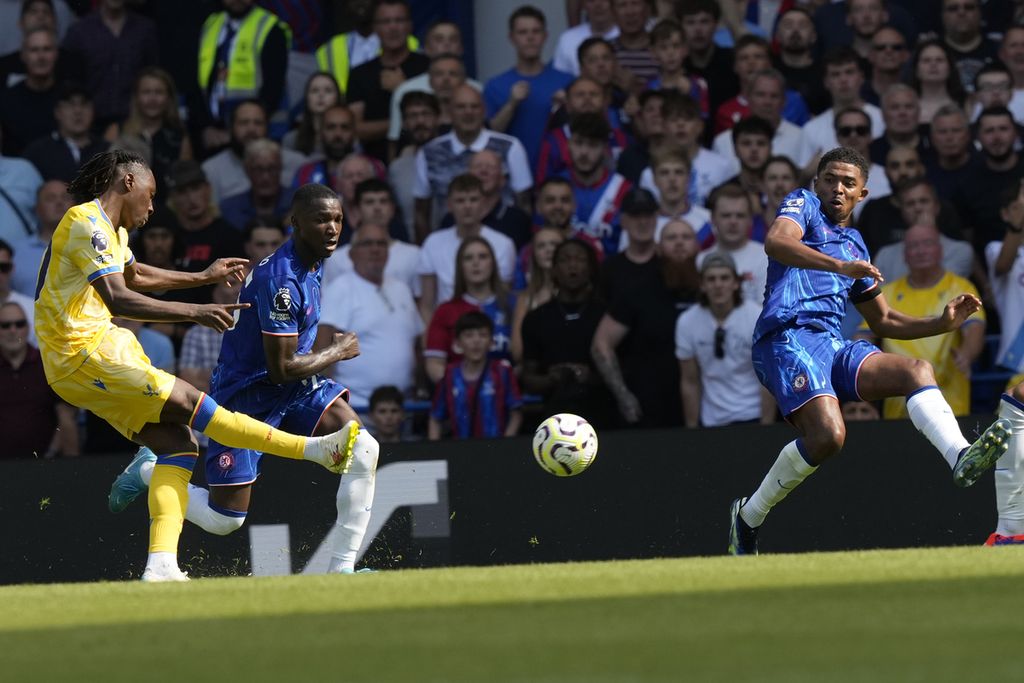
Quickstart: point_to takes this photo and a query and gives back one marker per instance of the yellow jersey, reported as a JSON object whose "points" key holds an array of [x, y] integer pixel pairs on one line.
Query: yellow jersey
{"points": [[937, 350], [70, 317]]}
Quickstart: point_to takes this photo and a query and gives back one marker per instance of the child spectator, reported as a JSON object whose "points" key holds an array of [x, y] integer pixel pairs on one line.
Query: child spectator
{"points": [[387, 414], [478, 287], [477, 396], [671, 166], [669, 48]]}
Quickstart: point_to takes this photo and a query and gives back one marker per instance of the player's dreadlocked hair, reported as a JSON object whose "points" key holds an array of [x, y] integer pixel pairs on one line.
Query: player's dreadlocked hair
{"points": [[845, 155], [311, 192], [100, 172]]}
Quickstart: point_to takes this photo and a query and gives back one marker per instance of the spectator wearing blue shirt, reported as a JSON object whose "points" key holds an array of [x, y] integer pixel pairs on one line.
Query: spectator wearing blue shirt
{"points": [[519, 100]]}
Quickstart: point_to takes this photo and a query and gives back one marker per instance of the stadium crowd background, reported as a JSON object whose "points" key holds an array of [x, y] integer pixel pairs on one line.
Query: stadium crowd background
{"points": [[585, 232]]}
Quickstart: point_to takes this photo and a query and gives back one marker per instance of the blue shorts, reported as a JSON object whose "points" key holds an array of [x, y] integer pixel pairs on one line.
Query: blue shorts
{"points": [[295, 407], [797, 364]]}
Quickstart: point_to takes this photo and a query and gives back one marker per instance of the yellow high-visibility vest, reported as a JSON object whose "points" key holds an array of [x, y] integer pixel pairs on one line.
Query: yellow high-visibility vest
{"points": [[333, 57], [245, 76]]}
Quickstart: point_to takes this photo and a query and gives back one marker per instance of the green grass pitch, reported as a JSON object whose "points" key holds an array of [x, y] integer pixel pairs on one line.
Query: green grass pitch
{"points": [[951, 614]]}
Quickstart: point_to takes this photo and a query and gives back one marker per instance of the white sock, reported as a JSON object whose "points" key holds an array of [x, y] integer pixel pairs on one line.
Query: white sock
{"points": [[162, 562], [207, 518], [1009, 472], [789, 470], [355, 501], [934, 418]]}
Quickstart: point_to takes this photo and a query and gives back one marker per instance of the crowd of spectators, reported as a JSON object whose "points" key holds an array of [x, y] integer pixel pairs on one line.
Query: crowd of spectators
{"points": [[581, 235]]}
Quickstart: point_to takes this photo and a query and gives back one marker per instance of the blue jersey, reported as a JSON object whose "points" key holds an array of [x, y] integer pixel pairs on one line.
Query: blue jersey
{"points": [[284, 299], [814, 298]]}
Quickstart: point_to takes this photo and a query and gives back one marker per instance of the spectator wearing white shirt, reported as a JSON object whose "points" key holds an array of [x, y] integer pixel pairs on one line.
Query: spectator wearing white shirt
{"points": [[713, 345], [843, 80], [671, 175], [732, 219], [437, 256], [380, 311], [684, 126], [374, 204], [445, 157], [600, 23]]}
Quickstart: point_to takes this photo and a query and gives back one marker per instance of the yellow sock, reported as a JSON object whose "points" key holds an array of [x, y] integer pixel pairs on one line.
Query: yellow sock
{"points": [[236, 430], [168, 498]]}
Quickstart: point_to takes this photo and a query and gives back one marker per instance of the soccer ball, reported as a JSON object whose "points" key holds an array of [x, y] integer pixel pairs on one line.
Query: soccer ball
{"points": [[564, 445]]}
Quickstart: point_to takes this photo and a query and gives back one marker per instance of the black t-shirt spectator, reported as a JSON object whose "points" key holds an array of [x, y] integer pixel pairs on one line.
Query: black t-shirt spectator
{"points": [[633, 160], [723, 84], [364, 86], [808, 81], [647, 354], [557, 332], [969, 63], [978, 198], [881, 223], [200, 248], [947, 182], [25, 115], [54, 159]]}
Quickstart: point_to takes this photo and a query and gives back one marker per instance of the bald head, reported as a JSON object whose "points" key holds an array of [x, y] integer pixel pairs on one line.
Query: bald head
{"points": [[467, 111], [922, 250]]}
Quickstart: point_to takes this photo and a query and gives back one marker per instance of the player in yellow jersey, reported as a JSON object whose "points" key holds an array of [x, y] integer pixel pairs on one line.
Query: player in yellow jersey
{"points": [[88, 274]]}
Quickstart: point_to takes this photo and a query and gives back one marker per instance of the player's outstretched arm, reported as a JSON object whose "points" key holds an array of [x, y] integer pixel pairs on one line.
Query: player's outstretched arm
{"points": [[125, 303], [889, 323], [783, 244], [141, 277], [285, 365]]}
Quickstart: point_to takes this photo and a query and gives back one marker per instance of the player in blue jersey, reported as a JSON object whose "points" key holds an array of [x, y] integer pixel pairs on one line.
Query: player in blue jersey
{"points": [[816, 263], [267, 369]]}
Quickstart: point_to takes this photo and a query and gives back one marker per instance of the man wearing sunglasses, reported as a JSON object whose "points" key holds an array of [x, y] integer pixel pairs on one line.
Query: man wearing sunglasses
{"points": [[7, 294], [46, 425], [713, 342]]}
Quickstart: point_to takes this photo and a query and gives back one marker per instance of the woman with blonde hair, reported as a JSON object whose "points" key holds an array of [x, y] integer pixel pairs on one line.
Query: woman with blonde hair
{"points": [[154, 128]]}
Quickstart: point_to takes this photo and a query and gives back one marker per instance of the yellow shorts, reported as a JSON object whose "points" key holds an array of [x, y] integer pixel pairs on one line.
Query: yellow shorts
{"points": [[118, 383]]}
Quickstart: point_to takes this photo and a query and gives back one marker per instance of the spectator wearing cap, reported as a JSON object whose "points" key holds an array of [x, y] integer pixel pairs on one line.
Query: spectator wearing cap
{"points": [[225, 171], [713, 346], [634, 344], [205, 236], [26, 109], [267, 199], [52, 202], [59, 155], [111, 45], [639, 212]]}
